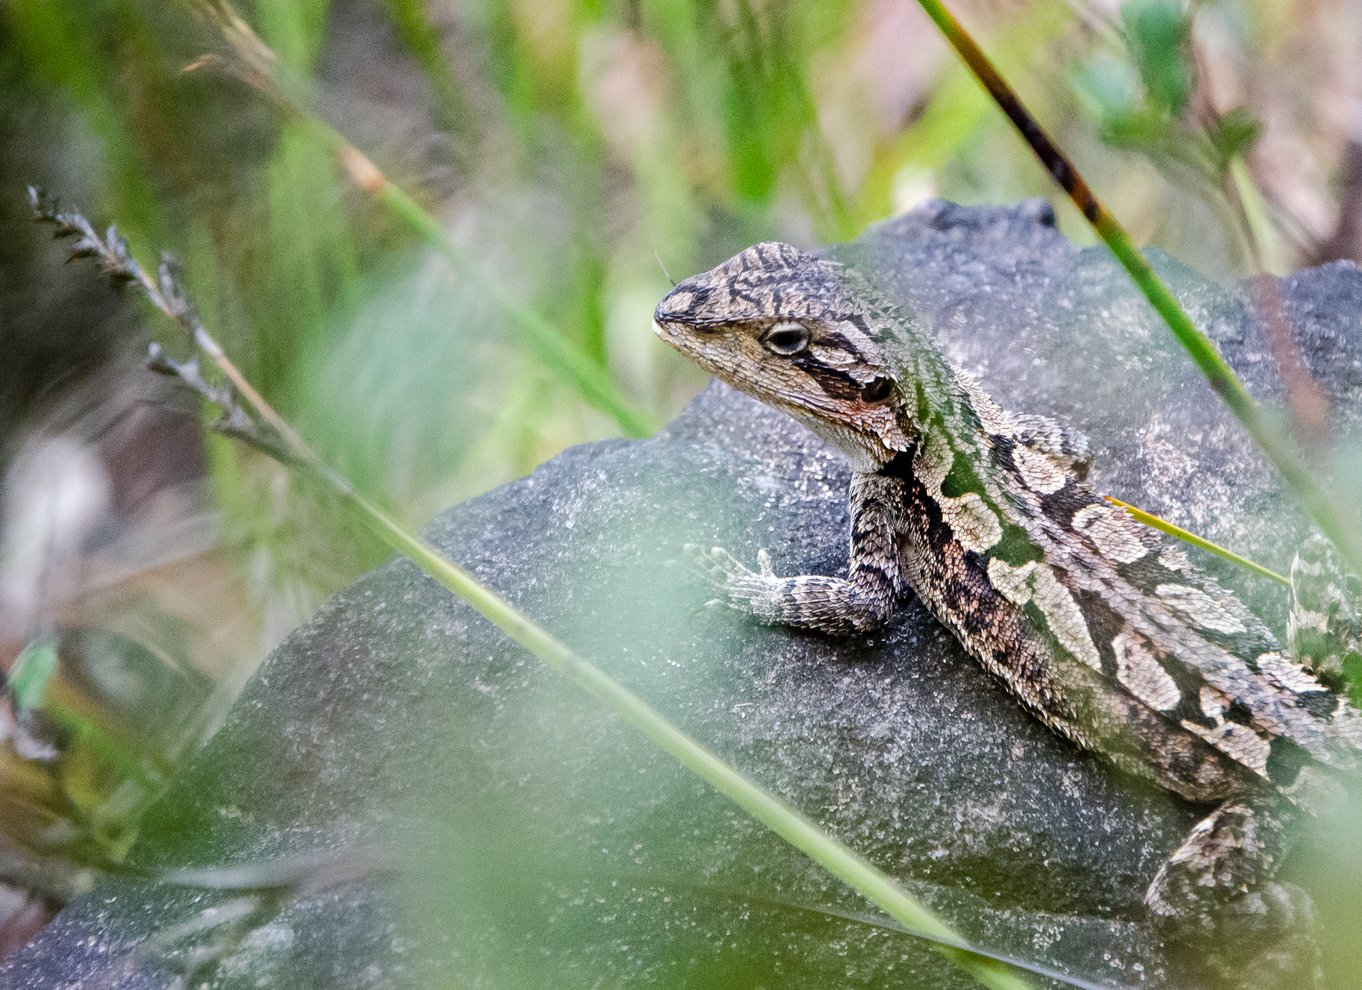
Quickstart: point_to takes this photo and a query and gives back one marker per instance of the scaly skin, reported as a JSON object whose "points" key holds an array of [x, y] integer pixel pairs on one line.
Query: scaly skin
{"points": [[1100, 627]]}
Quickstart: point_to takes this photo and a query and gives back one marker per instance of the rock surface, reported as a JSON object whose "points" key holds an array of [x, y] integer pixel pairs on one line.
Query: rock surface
{"points": [[528, 839]]}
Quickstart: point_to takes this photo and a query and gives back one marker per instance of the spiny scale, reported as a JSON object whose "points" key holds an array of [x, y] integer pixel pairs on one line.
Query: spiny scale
{"points": [[1098, 625]]}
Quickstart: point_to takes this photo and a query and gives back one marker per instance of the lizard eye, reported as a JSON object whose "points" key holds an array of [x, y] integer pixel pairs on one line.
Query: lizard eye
{"points": [[786, 339], [877, 389]]}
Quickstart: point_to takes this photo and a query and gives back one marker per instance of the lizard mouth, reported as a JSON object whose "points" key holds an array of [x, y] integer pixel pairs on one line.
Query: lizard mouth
{"points": [[666, 331], [673, 335], [677, 334], [698, 343], [701, 344]]}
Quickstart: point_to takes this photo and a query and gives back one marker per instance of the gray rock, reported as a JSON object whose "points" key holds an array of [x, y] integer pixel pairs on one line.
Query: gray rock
{"points": [[528, 838]]}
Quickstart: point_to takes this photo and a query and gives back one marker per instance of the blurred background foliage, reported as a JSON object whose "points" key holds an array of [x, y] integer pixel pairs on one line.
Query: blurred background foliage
{"points": [[571, 153]]}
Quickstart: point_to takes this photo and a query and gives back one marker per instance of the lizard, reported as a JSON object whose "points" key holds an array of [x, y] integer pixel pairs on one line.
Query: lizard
{"points": [[1099, 626]]}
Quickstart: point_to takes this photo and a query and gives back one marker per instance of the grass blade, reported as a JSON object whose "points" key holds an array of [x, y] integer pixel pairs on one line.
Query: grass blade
{"points": [[259, 423], [1187, 536], [1342, 528], [256, 64]]}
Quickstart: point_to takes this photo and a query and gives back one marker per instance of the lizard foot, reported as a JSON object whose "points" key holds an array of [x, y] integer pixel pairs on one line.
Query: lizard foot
{"points": [[1324, 626], [1216, 902], [758, 592]]}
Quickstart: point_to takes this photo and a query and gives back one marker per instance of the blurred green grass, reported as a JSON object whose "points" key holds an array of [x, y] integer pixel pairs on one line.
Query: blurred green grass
{"points": [[568, 148]]}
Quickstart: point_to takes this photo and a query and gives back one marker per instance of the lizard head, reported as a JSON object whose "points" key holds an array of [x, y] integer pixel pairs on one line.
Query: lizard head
{"points": [[791, 330]]}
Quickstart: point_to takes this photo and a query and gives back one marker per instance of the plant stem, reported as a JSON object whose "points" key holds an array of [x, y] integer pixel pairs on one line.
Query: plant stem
{"points": [[835, 857], [1339, 526], [166, 293], [257, 65], [586, 376], [1154, 522]]}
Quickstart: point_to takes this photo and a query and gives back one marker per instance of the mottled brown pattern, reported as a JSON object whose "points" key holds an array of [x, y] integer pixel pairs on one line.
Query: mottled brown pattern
{"points": [[1097, 625]]}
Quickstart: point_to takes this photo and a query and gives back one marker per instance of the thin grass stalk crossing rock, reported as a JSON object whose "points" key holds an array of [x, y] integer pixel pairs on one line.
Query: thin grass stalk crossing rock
{"points": [[1339, 524], [256, 422]]}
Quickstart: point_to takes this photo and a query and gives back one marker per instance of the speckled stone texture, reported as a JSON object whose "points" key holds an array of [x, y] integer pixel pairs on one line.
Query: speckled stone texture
{"points": [[529, 839]]}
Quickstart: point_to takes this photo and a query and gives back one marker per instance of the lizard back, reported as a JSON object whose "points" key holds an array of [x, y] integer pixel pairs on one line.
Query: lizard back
{"points": [[1100, 626]]}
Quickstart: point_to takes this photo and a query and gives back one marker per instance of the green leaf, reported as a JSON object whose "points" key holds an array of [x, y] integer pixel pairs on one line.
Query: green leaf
{"points": [[1234, 133], [32, 672], [1157, 32]]}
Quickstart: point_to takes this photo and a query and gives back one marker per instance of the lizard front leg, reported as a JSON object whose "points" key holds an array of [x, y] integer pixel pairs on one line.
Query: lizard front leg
{"points": [[860, 602]]}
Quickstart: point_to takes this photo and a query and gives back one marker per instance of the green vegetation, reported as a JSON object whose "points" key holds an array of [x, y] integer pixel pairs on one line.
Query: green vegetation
{"points": [[432, 235], [564, 149]]}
